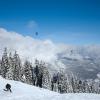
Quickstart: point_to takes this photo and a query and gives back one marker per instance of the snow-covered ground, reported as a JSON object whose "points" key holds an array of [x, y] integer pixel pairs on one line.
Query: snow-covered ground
{"points": [[21, 91]]}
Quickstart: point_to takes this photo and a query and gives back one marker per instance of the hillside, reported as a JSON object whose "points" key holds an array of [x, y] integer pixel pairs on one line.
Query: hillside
{"points": [[21, 91]]}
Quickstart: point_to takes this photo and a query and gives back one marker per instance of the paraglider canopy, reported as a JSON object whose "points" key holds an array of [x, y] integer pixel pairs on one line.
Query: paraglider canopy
{"points": [[36, 33]]}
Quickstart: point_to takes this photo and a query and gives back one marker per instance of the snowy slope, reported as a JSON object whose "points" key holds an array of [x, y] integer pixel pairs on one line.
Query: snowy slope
{"points": [[23, 91]]}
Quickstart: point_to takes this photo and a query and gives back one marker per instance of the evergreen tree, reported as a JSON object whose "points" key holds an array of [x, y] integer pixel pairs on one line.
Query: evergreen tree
{"points": [[42, 75], [46, 77], [17, 67], [28, 72], [62, 82], [9, 74], [4, 64], [33, 75]]}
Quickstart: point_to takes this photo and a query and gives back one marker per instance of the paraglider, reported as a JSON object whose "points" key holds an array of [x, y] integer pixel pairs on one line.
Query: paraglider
{"points": [[36, 33]]}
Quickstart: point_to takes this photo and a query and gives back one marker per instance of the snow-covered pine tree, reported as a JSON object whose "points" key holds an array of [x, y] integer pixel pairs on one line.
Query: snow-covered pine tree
{"points": [[9, 74], [4, 63], [36, 72], [33, 75], [69, 88], [28, 72], [73, 85], [76, 85], [41, 73], [54, 82], [22, 75], [62, 82], [46, 76], [17, 67]]}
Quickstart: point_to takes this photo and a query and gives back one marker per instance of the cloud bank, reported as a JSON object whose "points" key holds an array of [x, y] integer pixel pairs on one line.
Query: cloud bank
{"points": [[46, 50], [28, 47]]}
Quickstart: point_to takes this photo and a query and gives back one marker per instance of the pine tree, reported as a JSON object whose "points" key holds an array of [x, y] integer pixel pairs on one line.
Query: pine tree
{"points": [[54, 82], [46, 77], [62, 82], [9, 74], [28, 72], [17, 67], [33, 75], [4, 64], [38, 73]]}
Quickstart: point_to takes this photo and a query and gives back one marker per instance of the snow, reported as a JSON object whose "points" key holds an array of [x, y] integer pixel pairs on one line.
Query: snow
{"points": [[27, 47], [58, 56], [21, 91]]}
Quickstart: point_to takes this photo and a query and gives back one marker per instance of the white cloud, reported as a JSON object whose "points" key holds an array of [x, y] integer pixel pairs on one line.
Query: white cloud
{"points": [[32, 24], [30, 48], [27, 47]]}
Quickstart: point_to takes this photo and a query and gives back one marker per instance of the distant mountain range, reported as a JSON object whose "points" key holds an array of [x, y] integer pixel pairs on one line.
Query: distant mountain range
{"points": [[82, 61]]}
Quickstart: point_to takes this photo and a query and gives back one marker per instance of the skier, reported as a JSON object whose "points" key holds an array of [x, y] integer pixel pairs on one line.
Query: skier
{"points": [[8, 87]]}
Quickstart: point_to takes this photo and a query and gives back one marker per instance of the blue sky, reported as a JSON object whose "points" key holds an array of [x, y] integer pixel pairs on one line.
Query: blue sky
{"points": [[63, 21]]}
